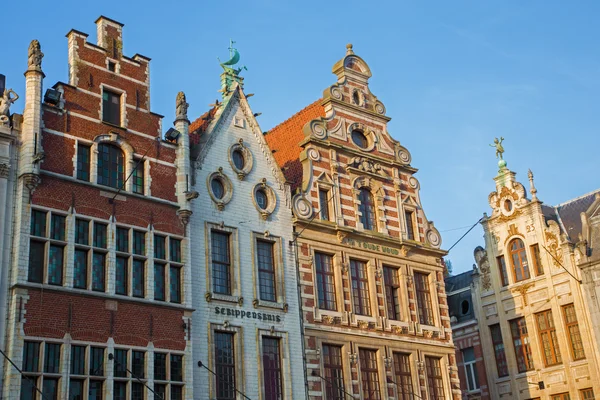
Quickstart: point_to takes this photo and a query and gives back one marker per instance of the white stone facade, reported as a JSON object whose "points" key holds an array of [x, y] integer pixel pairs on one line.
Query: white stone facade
{"points": [[238, 215]]}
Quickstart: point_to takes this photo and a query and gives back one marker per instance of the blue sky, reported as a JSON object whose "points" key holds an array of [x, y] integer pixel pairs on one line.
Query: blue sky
{"points": [[452, 75]]}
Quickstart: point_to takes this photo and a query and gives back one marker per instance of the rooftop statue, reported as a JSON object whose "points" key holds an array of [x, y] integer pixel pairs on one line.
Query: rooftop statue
{"points": [[6, 101], [234, 58], [498, 145], [35, 55], [181, 105]]}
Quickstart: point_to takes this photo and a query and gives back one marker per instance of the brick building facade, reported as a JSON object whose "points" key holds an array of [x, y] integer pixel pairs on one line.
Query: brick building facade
{"points": [[99, 284], [535, 325], [372, 289], [465, 332]]}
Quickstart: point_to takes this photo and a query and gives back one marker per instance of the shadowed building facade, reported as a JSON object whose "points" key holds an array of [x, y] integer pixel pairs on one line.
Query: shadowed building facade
{"points": [[372, 289]]}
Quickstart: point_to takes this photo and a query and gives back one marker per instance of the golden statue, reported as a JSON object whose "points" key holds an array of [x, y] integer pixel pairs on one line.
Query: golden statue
{"points": [[498, 145]]}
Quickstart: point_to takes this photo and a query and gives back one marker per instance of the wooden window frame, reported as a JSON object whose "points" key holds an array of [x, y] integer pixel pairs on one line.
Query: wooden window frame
{"points": [[499, 350], [368, 215], [403, 376], [536, 256], [325, 282], [502, 269], [520, 266], [435, 378], [523, 347], [548, 340], [333, 371], [361, 301], [115, 164], [574, 333], [324, 209], [391, 281], [369, 374], [108, 107], [424, 299], [272, 390], [217, 264]]}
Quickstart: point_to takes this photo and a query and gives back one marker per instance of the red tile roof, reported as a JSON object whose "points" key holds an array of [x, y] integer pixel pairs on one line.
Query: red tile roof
{"points": [[283, 140], [200, 124]]}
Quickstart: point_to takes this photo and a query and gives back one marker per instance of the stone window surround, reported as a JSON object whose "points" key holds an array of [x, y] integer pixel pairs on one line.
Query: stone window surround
{"points": [[371, 276], [338, 280], [346, 367], [285, 359], [444, 365], [129, 161], [271, 198], [404, 322], [248, 159], [279, 266], [122, 105], [234, 256], [331, 209], [227, 188], [407, 207], [69, 257], [377, 191], [431, 276], [412, 359], [381, 368], [368, 132], [238, 351]]}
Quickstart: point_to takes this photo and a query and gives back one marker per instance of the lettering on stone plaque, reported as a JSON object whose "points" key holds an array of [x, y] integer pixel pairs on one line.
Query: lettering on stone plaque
{"points": [[243, 314], [371, 246]]}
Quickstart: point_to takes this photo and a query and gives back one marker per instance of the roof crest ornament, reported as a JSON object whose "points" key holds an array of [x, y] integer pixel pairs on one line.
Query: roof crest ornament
{"points": [[234, 58], [499, 152]]}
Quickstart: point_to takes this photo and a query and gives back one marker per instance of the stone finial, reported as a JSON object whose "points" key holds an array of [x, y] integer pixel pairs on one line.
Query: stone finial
{"points": [[6, 101], [349, 49], [532, 188], [181, 106], [35, 56]]}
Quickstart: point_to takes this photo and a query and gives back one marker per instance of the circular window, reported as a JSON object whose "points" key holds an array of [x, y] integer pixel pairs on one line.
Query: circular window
{"points": [[261, 199], [465, 307], [508, 205], [360, 139], [217, 188], [238, 159]]}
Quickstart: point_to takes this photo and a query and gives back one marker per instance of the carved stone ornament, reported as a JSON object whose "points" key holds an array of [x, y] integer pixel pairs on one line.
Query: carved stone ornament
{"points": [[4, 169], [184, 216], [255, 303], [181, 106], [397, 329], [433, 237], [341, 236], [366, 165], [302, 207], [522, 290], [553, 246], [35, 55], [328, 319], [483, 263], [208, 297], [353, 357], [240, 301], [9, 96], [403, 155], [286, 307], [363, 324]]}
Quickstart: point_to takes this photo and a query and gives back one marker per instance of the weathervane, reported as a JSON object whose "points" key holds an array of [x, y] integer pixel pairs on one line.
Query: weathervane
{"points": [[234, 58]]}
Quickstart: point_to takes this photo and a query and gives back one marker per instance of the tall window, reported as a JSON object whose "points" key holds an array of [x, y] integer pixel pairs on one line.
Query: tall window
{"points": [[435, 381], [537, 260], [138, 262], [424, 306], [324, 204], [325, 281], [403, 376], [499, 350], [225, 366], [138, 177], [99, 257], [360, 288], [502, 268], [111, 168], [518, 258], [124, 382], [587, 394], [518, 328], [130, 262], [83, 162], [168, 375], [392, 292], [272, 374], [369, 374], [367, 210], [221, 262], [548, 339], [88, 374], [266, 270], [43, 372], [167, 269], [470, 368], [334, 372], [410, 228], [46, 267], [111, 107], [577, 351]]}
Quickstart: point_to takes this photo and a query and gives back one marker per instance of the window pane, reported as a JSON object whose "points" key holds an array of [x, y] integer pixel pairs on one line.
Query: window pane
{"points": [[28, 391], [176, 368], [369, 374], [521, 343], [225, 366], [367, 210], [38, 223], [537, 259], [410, 229], [424, 305], [83, 162], [266, 270], [111, 168], [52, 358], [502, 268], [324, 204], [99, 235], [435, 382], [334, 373], [272, 369], [325, 281], [570, 317], [175, 250], [160, 391], [549, 341], [139, 243], [120, 361], [50, 388], [160, 366], [499, 350], [221, 263], [77, 360], [120, 391], [98, 271], [111, 108], [137, 391], [159, 282], [76, 389], [519, 260], [82, 232], [403, 376], [137, 364], [176, 392], [55, 265], [159, 247], [96, 390], [96, 361], [57, 227], [36, 262], [392, 292], [121, 274], [31, 357], [175, 285], [123, 240], [360, 287], [80, 273], [138, 177], [138, 278]]}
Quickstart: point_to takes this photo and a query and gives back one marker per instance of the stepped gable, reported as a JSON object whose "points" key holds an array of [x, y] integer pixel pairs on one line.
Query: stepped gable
{"points": [[284, 141]]}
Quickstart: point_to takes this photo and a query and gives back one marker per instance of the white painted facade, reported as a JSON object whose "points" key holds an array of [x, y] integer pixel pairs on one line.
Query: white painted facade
{"points": [[243, 313]]}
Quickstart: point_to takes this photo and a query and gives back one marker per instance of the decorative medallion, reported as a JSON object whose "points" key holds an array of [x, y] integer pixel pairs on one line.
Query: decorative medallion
{"points": [[302, 207]]}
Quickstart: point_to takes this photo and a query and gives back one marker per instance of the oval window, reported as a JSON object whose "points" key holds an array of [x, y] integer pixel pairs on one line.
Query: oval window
{"points": [[217, 188], [465, 307], [238, 159], [261, 199], [508, 205], [360, 139]]}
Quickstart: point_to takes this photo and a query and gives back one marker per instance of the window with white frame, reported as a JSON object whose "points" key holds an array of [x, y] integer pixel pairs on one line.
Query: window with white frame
{"points": [[111, 107], [268, 270], [470, 365], [168, 376], [47, 247]]}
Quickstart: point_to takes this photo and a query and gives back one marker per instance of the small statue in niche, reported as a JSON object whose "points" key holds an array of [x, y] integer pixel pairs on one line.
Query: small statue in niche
{"points": [[181, 106], [35, 55], [498, 145], [6, 101]]}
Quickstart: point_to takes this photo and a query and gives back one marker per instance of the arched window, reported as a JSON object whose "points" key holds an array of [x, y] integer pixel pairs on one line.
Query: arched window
{"points": [[518, 258], [111, 168], [367, 209]]}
